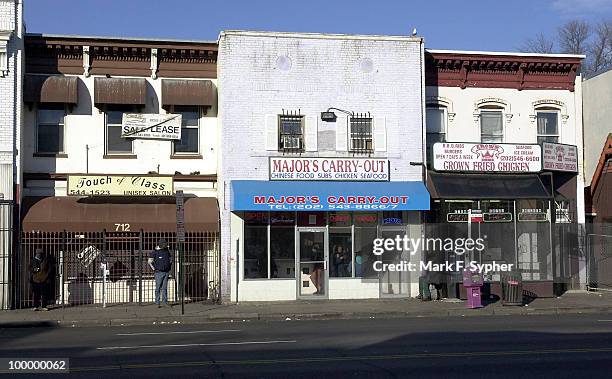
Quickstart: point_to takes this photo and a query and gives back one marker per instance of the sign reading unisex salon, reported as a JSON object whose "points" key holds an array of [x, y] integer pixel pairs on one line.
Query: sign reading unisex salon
{"points": [[487, 157], [120, 185], [557, 157], [151, 126], [361, 169]]}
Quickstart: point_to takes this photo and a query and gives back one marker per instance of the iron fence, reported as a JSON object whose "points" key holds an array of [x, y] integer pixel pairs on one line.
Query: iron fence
{"points": [[6, 247], [78, 277], [599, 249]]}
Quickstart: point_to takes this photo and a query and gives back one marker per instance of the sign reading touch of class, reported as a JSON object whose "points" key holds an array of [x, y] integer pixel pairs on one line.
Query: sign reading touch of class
{"points": [[557, 157], [151, 126], [362, 169], [487, 157], [120, 185]]}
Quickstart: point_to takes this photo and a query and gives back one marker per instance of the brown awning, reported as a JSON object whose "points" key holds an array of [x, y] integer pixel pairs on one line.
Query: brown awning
{"points": [[50, 89], [54, 214], [188, 92], [129, 91]]}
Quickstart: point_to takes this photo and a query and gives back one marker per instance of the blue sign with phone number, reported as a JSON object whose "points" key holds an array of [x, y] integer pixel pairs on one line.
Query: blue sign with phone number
{"points": [[255, 195]]}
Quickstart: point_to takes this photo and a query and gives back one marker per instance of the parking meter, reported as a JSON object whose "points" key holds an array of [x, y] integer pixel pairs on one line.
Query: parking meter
{"points": [[473, 281]]}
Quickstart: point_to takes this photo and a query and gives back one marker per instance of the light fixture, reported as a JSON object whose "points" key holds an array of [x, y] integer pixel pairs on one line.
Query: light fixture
{"points": [[330, 116]]}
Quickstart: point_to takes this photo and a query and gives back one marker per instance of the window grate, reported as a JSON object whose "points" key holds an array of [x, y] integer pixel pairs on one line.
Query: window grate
{"points": [[291, 135], [361, 134]]}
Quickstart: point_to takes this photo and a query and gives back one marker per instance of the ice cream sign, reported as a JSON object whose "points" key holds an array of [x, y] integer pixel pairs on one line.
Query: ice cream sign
{"points": [[487, 157]]}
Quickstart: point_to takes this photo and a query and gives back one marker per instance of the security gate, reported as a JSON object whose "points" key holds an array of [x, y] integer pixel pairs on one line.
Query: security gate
{"points": [[599, 249], [6, 247], [80, 256]]}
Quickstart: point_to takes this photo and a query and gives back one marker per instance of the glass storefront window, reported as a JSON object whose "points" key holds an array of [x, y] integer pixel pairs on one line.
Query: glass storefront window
{"points": [[497, 231], [340, 219], [533, 239], [255, 251], [312, 218], [340, 252], [282, 251], [364, 257], [393, 218]]}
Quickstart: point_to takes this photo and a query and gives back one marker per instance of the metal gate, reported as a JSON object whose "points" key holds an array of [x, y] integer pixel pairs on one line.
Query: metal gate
{"points": [[599, 248], [79, 277], [6, 247]]}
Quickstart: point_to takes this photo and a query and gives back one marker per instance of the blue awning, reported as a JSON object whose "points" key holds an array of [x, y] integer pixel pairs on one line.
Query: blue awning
{"points": [[254, 195]]}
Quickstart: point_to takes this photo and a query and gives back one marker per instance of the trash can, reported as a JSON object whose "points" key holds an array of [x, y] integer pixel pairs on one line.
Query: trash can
{"points": [[512, 288], [424, 293], [473, 281]]}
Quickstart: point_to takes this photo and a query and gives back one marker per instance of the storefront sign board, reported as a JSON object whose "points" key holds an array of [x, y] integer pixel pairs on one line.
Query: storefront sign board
{"points": [[120, 185], [558, 157], [151, 126], [345, 169], [487, 157]]}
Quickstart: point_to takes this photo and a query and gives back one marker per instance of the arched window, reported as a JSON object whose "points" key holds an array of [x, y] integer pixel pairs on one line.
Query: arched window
{"points": [[490, 114], [438, 114], [547, 115]]}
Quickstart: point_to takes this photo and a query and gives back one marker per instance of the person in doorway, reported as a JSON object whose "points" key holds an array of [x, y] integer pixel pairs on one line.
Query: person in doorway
{"points": [[317, 270], [160, 261], [41, 279]]}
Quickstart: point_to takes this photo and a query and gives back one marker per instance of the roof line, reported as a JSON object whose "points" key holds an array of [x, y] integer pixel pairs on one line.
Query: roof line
{"points": [[321, 35], [139, 39], [504, 53]]}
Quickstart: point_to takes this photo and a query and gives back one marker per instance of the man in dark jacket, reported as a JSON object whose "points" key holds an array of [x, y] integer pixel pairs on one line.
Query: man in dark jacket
{"points": [[160, 261], [41, 279]]}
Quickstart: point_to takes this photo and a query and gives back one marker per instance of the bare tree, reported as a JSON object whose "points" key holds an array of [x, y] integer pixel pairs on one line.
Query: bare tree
{"points": [[600, 49], [539, 44], [574, 36]]}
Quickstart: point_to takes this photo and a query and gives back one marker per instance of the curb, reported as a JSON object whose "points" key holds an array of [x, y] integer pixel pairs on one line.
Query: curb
{"points": [[244, 317]]}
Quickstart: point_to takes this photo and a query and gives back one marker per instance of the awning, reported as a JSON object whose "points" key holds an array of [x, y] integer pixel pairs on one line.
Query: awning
{"points": [[486, 186], [128, 91], [54, 214], [50, 89], [188, 92], [253, 195]]}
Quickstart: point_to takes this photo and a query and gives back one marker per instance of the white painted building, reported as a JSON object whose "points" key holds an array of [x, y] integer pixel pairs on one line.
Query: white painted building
{"points": [[312, 235], [11, 80]]}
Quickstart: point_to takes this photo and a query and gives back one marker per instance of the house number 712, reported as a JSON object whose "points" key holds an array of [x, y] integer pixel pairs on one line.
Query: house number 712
{"points": [[122, 227]]}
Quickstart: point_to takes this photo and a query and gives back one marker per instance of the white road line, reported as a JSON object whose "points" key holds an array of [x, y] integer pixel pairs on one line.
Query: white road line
{"points": [[194, 344], [604, 320], [185, 332]]}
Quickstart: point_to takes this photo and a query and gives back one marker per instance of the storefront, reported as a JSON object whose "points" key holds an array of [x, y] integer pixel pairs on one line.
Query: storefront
{"points": [[314, 239]]}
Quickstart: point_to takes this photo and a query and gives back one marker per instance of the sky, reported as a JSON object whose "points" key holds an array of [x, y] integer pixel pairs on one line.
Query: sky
{"points": [[492, 25]]}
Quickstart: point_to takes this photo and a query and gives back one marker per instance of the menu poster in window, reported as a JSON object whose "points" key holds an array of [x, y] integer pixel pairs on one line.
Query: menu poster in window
{"points": [[486, 157], [558, 157]]}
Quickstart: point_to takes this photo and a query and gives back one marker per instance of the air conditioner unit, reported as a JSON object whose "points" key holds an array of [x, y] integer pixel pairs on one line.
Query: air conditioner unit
{"points": [[291, 142]]}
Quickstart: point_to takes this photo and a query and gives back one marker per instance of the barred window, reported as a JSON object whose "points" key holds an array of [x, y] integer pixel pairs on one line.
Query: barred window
{"points": [[291, 133], [361, 134]]}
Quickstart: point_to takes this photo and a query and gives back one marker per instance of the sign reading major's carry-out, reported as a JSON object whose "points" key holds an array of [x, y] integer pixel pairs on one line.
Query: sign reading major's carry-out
{"points": [[151, 126], [558, 157], [361, 169], [120, 185], [487, 157]]}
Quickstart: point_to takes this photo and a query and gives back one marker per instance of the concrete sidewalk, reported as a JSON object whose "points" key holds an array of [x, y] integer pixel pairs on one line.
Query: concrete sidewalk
{"points": [[117, 315]]}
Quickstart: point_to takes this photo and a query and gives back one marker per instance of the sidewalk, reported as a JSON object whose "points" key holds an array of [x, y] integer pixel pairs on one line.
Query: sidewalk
{"points": [[118, 315]]}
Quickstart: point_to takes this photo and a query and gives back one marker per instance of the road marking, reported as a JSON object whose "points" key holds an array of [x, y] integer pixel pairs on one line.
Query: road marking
{"points": [[194, 344], [604, 320], [341, 359], [186, 332]]}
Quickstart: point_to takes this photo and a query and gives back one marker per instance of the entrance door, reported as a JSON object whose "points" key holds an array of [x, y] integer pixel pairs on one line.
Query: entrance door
{"points": [[394, 283], [312, 253]]}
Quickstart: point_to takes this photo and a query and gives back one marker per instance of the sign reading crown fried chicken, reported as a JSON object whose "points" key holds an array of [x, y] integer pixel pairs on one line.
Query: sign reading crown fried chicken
{"points": [[487, 157]]}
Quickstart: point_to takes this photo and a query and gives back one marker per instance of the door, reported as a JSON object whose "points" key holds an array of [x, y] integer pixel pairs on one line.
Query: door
{"points": [[312, 253], [394, 283]]}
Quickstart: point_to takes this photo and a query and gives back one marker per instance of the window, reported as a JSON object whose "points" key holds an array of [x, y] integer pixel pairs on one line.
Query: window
{"points": [[361, 134], [491, 126], [436, 128], [190, 131], [548, 126], [115, 144], [256, 245], [291, 133], [50, 132]]}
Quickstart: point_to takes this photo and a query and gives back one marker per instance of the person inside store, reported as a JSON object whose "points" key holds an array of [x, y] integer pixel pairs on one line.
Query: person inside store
{"points": [[317, 271], [41, 279], [160, 261]]}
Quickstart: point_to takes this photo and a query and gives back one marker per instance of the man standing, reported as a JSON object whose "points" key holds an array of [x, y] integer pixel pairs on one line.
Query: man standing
{"points": [[160, 261], [41, 277]]}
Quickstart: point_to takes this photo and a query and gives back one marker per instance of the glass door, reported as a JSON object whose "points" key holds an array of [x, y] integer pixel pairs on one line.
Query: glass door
{"points": [[312, 258], [394, 283]]}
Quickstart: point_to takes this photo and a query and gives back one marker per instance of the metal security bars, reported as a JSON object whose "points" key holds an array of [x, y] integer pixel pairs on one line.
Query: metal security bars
{"points": [[6, 246], [361, 133], [78, 277], [291, 132]]}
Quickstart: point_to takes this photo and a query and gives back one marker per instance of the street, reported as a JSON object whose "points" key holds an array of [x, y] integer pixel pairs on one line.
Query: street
{"points": [[560, 346]]}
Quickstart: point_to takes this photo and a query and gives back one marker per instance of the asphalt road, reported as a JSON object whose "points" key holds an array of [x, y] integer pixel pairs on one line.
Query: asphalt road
{"points": [[568, 346]]}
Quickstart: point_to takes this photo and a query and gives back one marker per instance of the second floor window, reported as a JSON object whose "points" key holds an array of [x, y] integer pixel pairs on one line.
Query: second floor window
{"points": [[548, 126], [491, 126], [50, 132], [190, 130], [361, 134], [291, 133], [115, 144], [436, 128]]}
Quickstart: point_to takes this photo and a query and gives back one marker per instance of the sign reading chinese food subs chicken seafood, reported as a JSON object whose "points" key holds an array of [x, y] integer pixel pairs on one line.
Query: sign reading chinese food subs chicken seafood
{"points": [[151, 126], [487, 157], [361, 169], [120, 185]]}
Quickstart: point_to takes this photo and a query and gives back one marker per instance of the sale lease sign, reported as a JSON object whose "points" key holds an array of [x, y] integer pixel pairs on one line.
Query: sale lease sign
{"points": [[487, 157], [151, 126]]}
